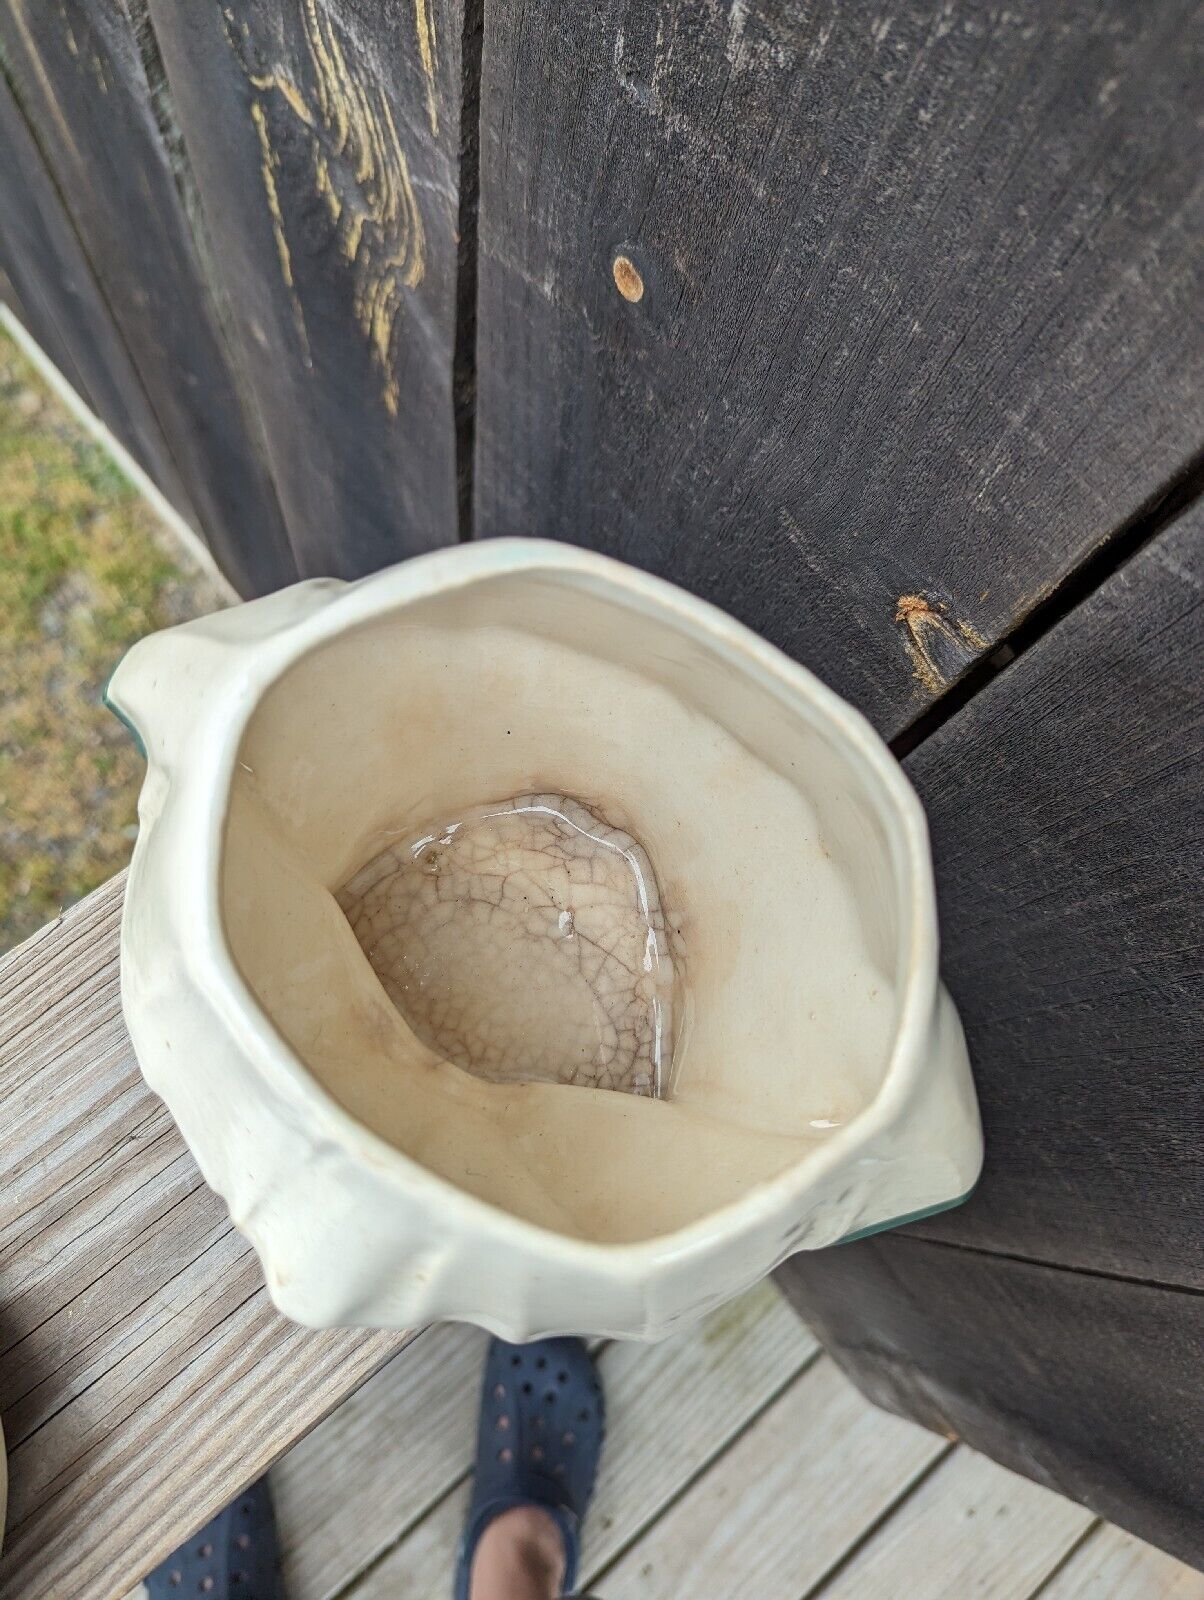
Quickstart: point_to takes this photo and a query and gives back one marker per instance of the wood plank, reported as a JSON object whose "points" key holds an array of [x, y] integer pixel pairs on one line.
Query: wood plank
{"points": [[62, 307], [48, 338], [1111, 1565], [671, 1414], [1086, 1384], [146, 1376], [325, 140], [971, 1528], [1065, 803], [82, 81], [9, 297], [915, 331], [347, 1492], [784, 1504], [671, 1408]]}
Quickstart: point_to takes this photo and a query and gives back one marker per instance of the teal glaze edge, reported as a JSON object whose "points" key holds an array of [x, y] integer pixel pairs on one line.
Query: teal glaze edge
{"points": [[120, 714], [901, 1222]]}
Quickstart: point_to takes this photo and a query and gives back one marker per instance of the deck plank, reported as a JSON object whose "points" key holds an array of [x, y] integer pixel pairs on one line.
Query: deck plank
{"points": [[699, 1472], [1031, 1365], [785, 1503], [672, 1408], [146, 1376], [1112, 1565], [971, 1528], [345, 1493]]}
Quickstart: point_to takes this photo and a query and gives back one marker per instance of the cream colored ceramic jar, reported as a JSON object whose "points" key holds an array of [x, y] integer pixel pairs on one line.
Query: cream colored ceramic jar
{"points": [[342, 1060]]}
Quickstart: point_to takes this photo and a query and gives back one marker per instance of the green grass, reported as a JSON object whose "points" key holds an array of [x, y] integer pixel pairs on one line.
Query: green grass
{"points": [[85, 570]]}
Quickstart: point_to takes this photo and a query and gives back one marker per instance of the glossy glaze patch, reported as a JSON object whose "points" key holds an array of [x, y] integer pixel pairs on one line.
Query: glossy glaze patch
{"points": [[524, 941]]}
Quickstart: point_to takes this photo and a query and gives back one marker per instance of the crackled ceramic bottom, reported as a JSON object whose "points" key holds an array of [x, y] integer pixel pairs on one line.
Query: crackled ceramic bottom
{"points": [[525, 942]]}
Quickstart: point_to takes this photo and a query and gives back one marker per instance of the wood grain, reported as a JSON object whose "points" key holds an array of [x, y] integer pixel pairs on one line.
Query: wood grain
{"points": [[56, 297], [724, 1465], [1064, 802], [672, 1408], [799, 1488], [1065, 805], [1111, 1565], [144, 1374], [1085, 1384], [81, 80], [971, 1528], [11, 272], [915, 327], [325, 142], [346, 1493]]}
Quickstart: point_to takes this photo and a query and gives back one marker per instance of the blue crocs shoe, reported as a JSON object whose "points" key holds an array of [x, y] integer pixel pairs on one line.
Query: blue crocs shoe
{"points": [[538, 1442], [235, 1557]]}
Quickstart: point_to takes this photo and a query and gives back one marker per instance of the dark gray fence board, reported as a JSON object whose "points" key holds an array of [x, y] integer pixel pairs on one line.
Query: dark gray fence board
{"points": [[39, 322], [1090, 1386], [916, 331], [60, 304], [324, 138], [79, 76], [1066, 803]]}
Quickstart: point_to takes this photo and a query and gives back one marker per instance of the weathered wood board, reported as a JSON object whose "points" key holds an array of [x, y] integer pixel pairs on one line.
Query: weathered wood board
{"points": [[396, 1458], [722, 1465], [80, 78], [914, 326], [1089, 1385], [800, 1487], [1110, 1565], [672, 1409], [58, 300], [145, 1376], [324, 137], [1065, 803], [970, 1529]]}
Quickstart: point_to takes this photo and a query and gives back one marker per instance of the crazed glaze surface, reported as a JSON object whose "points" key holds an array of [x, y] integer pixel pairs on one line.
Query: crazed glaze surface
{"points": [[820, 1079], [524, 941]]}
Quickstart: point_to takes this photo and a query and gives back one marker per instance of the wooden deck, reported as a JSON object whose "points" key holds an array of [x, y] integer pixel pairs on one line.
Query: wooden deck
{"points": [[740, 1463], [146, 1379]]}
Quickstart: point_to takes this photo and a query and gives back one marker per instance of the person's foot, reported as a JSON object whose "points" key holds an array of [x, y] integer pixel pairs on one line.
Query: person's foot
{"points": [[234, 1557], [538, 1443], [519, 1556]]}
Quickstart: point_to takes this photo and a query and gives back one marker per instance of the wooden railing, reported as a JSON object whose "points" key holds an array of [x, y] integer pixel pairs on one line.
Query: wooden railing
{"points": [[145, 1375]]}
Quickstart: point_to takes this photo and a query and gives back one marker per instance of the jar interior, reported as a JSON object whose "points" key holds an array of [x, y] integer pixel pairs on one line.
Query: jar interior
{"points": [[694, 976]]}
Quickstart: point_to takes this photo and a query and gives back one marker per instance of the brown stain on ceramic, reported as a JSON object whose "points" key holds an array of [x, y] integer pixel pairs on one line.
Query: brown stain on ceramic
{"points": [[358, 169], [939, 645]]}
